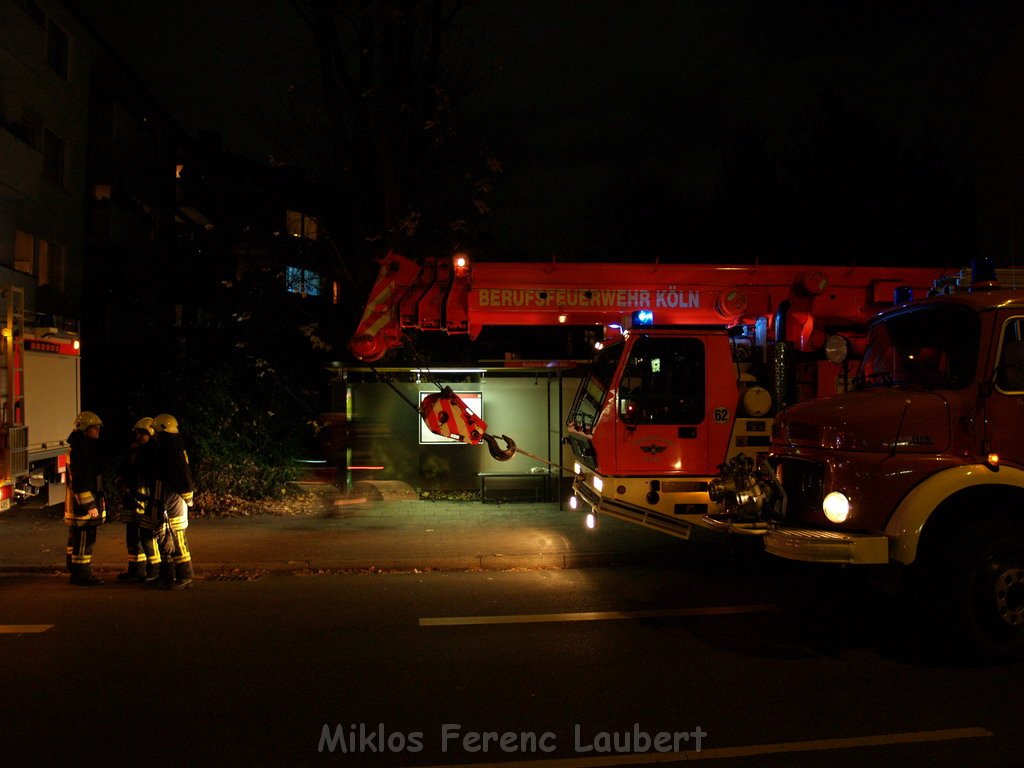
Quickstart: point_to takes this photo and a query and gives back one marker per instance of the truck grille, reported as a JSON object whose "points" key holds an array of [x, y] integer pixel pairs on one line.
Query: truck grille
{"points": [[16, 446], [804, 484], [583, 450]]}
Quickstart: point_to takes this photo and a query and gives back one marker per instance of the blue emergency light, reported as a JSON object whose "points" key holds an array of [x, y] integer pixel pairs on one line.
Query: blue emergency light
{"points": [[642, 317]]}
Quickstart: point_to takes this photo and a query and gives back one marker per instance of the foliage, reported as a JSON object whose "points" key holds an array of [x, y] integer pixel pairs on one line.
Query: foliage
{"points": [[229, 475]]}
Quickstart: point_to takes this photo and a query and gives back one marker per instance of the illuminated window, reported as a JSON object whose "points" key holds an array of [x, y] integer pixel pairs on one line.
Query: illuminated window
{"points": [[36, 256], [101, 191], [302, 281], [300, 225], [24, 252]]}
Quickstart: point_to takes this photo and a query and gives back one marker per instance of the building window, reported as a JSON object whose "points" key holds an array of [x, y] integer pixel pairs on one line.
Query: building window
{"points": [[302, 281], [29, 129], [301, 225], [24, 252], [36, 256], [57, 50], [53, 156], [34, 12]]}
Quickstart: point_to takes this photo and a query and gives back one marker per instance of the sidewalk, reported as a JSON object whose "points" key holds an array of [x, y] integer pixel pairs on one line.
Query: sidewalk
{"points": [[381, 535]]}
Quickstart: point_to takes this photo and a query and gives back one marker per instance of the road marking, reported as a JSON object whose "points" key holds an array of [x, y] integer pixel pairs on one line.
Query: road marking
{"points": [[537, 618], [649, 758], [23, 629]]}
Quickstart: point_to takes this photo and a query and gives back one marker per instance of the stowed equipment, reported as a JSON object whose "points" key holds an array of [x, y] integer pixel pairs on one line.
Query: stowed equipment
{"points": [[447, 415]]}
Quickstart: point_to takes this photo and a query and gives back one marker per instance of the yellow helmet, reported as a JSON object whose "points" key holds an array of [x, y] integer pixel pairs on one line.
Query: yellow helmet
{"points": [[166, 423], [144, 424], [87, 419]]}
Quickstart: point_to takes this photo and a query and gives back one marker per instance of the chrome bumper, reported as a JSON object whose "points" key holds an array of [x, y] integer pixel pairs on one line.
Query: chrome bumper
{"points": [[815, 546]]}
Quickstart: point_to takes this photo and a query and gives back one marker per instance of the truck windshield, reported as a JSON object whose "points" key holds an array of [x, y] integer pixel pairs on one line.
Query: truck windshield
{"points": [[590, 396], [933, 346], [663, 382]]}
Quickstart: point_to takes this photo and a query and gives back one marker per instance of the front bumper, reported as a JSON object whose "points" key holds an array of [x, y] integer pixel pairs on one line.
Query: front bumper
{"points": [[816, 546], [683, 526]]}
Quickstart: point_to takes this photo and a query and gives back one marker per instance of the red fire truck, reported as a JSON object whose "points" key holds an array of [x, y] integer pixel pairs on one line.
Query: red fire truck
{"points": [[39, 399], [695, 363], [919, 468]]}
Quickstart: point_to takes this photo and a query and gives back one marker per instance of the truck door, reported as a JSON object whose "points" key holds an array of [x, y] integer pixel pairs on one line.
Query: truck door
{"points": [[1006, 406], [662, 395]]}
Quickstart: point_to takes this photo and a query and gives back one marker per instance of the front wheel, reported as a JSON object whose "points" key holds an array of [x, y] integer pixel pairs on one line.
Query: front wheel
{"points": [[982, 575]]}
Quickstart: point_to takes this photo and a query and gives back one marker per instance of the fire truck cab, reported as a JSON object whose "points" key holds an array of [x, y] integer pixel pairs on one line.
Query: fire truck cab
{"points": [[920, 466]]}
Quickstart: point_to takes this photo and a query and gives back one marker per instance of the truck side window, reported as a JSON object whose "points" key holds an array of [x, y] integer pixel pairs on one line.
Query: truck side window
{"points": [[1010, 369]]}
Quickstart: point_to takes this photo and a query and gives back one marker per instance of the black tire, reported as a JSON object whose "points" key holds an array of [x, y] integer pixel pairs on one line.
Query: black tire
{"points": [[980, 575]]}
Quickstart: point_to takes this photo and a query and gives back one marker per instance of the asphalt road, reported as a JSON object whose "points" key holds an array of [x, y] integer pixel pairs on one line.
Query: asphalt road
{"points": [[771, 664]]}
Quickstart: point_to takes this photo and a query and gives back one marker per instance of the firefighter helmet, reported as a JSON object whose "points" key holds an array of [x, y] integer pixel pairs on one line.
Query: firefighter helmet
{"points": [[87, 419], [166, 423], [144, 424]]}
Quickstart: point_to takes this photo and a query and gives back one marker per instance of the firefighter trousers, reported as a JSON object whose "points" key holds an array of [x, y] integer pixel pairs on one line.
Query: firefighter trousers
{"points": [[173, 539], [81, 540], [137, 556]]}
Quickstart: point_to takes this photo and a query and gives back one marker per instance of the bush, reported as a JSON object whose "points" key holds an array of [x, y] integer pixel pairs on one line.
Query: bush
{"points": [[243, 478]]}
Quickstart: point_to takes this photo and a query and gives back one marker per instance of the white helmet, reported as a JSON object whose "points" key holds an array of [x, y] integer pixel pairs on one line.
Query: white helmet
{"points": [[87, 419], [144, 424]]}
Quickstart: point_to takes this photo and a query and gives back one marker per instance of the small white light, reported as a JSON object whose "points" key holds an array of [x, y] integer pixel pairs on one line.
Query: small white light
{"points": [[591, 521], [563, 318], [574, 503], [598, 484], [576, 468], [836, 507]]}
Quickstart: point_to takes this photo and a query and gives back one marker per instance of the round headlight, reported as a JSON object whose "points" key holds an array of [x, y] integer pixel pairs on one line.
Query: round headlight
{"points": [[836, 507], [837, 349]]}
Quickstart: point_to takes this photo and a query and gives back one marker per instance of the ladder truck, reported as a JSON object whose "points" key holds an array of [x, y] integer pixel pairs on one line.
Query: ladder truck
{"points": [[695, 362]]}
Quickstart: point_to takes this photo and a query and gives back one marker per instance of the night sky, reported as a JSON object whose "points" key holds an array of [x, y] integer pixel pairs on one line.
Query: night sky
{"points": [[606, 111]]}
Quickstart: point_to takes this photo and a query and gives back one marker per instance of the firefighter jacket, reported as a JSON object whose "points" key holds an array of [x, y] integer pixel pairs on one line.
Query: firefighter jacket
{"points": [[136, 479], [171, 471], [85, 502]]}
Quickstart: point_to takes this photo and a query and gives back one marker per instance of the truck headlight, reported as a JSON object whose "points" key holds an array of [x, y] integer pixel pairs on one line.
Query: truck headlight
{"points": [[836, 507]]}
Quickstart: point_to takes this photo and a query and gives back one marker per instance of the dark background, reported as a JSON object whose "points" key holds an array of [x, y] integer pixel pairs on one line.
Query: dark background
{"points": [[684, 131]]}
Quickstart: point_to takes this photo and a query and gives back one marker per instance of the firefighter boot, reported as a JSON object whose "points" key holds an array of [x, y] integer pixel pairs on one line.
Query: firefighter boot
{"points": [[152, 573], [81, 576], [134, 574], [182, 576], [165, 577]]}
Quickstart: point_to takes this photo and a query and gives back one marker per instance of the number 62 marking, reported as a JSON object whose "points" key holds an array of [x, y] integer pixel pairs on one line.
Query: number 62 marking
{"points": [[721, 415]]}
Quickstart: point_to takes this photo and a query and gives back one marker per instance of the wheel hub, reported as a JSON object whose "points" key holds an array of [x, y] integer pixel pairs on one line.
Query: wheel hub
{"points": [[1009, 594]]}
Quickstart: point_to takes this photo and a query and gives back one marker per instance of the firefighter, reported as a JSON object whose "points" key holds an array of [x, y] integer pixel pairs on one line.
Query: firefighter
{"points": [[85, 503], [134, 482], [172, 495]]}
